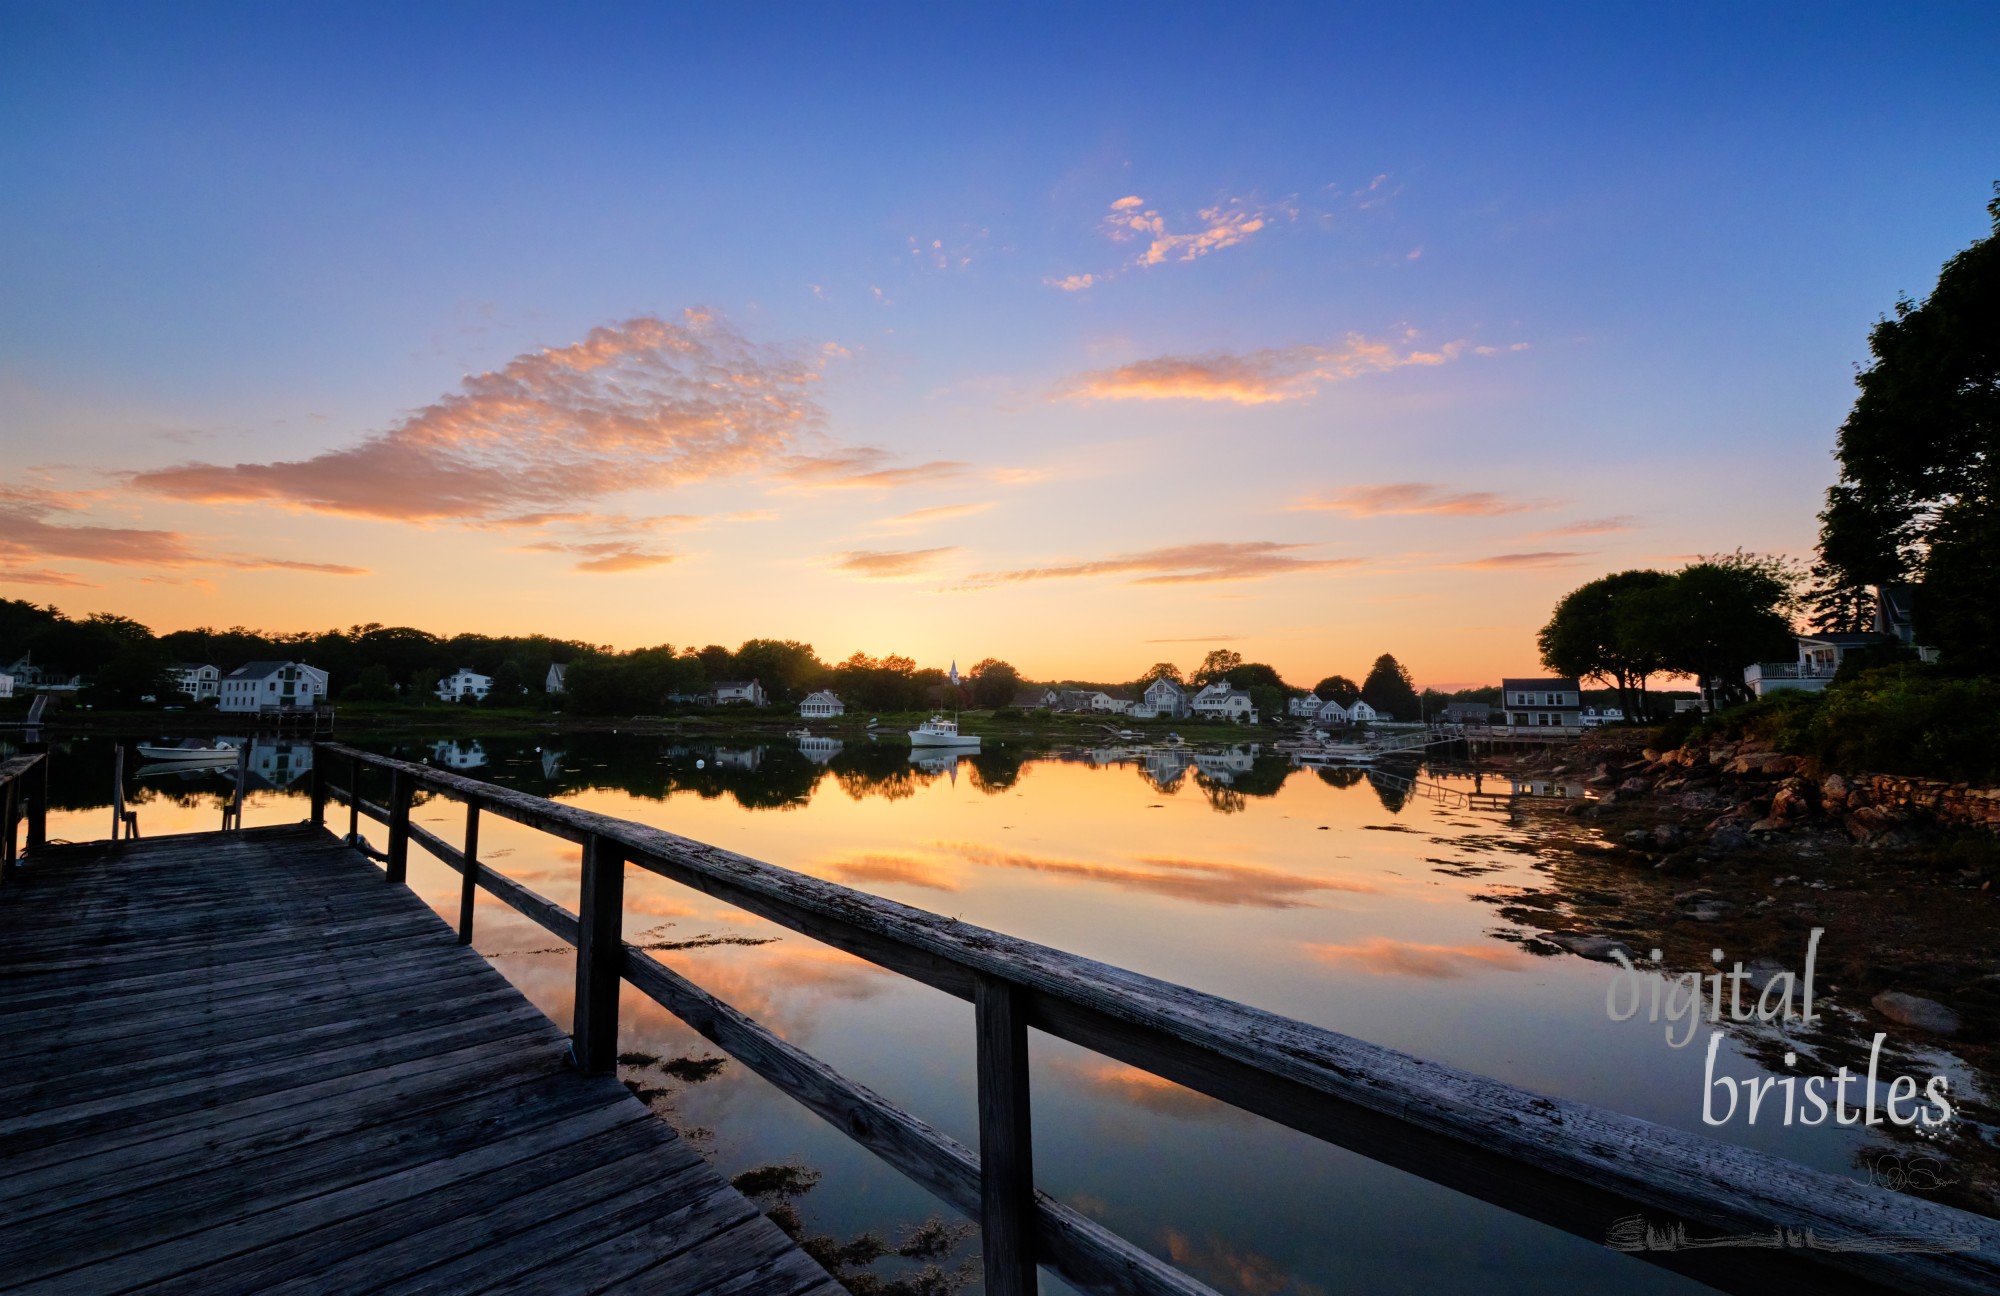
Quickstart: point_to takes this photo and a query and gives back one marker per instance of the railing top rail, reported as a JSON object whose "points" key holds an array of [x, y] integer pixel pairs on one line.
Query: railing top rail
{"points": [[1307, 1076], [15, 766]]}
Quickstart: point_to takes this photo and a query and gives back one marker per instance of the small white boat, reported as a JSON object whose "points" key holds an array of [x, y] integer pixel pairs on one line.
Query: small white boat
{"points": [[187, 753], [941, 732], [798, 735]]}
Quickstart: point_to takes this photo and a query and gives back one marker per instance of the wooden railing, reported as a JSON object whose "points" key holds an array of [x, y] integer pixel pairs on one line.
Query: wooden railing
{"points": [[24, 795], [1577, 1167]]}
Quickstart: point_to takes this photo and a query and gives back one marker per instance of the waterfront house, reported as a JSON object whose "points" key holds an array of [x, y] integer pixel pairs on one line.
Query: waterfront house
{"points": [[1224, 701], [464, 685], [197, 679], [1819, 658], [739, 693], [456, 755], [1167, 700], [1468, 713], [6, 685], [30, 678], [554, 685], [1303, 707], [822, 705], [1541, 703], [1332, 714], [1035, 699], [260, 686]]}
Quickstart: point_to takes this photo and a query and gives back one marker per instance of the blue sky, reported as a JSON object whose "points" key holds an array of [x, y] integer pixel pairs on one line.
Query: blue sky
{"points": [[1641, 251]]}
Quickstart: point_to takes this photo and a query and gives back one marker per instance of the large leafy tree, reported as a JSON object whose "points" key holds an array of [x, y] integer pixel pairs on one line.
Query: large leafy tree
{"points": [[1337, 688], [1217, 665], [1713, 618], [1388, 689], [1589, 636], [1920, 458], [993, 682]]}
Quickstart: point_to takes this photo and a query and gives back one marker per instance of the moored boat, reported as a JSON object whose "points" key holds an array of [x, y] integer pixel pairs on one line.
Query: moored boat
{"points": [[939, 731], [187, 752]]}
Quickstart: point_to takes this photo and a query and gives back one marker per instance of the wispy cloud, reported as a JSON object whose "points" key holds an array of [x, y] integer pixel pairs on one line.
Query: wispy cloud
{"points": [[1180, 565], [923, 517], [890, 564], [1414, 497], [646, 403], [1208, 882], [1218, 227], [861, 468], [604, 556], [878, 867], [1072, 283], [1522, 561], [42, 576], [34, 527], [1385, 956], [1253, 378], [1593, 526]]}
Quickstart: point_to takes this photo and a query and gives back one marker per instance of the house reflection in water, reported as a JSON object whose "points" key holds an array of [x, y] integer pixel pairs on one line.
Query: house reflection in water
{"points": [[819, 750], [458, 754]]}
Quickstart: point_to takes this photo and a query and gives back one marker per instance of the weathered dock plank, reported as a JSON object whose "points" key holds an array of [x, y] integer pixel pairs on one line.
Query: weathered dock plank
{"points": [[242, 1062]]}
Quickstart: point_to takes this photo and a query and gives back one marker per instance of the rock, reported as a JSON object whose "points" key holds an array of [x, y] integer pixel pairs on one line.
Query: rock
{"points": [[1636, 785], [1668, 837], [1639, 837], [1834, 791], [1916, 1011], [1609, 798], [1650, 753], [1710, 911], [1558, 771], [1768, 825], [1791, 800], [1728, 837], [1599, 948], [1685, 862]]}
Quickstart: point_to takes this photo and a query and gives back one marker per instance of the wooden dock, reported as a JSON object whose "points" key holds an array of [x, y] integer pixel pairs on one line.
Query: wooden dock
{"points": [[239, 1062]]}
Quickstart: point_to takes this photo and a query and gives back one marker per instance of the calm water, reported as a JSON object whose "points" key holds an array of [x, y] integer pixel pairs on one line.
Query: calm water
{"points": [[1364, 904]]}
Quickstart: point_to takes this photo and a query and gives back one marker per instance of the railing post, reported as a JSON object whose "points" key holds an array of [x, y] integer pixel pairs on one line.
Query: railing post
{"points": [[316, 780], [10, 809], [234, 817], [117, 791], [398, 867], [1006, 1140], [353, 800], [600, 935], [38, 805], [468, 882]]}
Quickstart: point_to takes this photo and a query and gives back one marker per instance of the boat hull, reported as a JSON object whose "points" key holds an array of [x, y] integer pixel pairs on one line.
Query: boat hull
{"points": [[207, 754], [919, 739]]}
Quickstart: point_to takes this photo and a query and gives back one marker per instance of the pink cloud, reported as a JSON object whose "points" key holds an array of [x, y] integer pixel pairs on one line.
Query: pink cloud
{"points": [[890, 564], [861, 468], [1180, 565], [1525, 561], [1253, 378], [645, 403], [1413, 497]]}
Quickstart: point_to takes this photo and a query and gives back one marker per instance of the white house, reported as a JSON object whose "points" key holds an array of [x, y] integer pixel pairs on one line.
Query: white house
{"points": [[271, 686], [197, 680], [6, 685], [1110, 705], [1541, 703], [464, 685], [822, 705], [1224, 701], [555, 684], [1303, 707], [1819, 660], [1331, 713], [739, 693], [1167, 699]]}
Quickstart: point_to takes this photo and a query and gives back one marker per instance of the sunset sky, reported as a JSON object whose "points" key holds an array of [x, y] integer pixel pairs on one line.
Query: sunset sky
{"points": [[1085, 337]]}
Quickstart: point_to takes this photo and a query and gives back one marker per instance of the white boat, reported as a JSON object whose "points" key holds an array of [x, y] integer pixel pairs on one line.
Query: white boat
{"points": [[187, 753], [941, 732]]}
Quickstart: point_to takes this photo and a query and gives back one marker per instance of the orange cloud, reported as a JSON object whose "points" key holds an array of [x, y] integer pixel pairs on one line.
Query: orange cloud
{"points": [[645, 403], [1413, 497], [1120, 1083], [1072, 283], [861, 468], [1513, 561], [890, 564], [1384, 956], [604, 555], [1255, 378], [1180, 565], [41, 576], [1233, 1269], [1201, 881]]}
